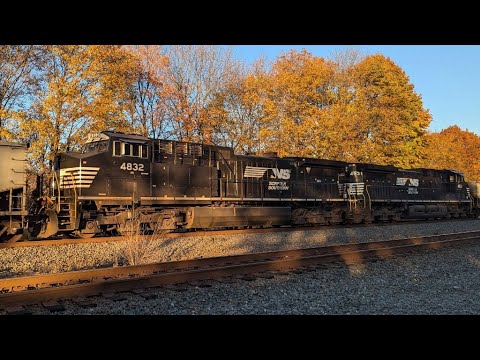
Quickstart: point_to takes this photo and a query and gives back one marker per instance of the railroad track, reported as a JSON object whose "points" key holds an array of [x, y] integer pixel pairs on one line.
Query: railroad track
{"points": [[62, 241], [21, 291]]}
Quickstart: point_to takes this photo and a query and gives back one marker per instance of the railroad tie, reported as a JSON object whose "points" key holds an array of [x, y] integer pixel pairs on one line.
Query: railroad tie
{"points": [[53, 306]]}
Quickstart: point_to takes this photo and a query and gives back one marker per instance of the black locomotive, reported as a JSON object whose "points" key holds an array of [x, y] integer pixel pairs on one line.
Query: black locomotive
{"points": [[179, 185]]}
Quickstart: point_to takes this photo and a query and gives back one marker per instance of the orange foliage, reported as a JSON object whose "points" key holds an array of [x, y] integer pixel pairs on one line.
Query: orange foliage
{"points": [[349, 108], [365, 111], [455, 149], [299, 93]]}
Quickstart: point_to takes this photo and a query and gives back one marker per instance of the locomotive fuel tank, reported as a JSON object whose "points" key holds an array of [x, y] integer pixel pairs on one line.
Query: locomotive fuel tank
{"points": [[215, 217]]}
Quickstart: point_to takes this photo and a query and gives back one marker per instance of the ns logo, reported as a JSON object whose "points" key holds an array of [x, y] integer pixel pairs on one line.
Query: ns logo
{"points": [[280, 174]]}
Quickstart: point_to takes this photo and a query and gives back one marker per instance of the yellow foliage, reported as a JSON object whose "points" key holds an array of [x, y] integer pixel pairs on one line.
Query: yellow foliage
{"points": [[307, 106], [389, 117], [298, 94], [350, 108], [236, 113], [83, 89]]}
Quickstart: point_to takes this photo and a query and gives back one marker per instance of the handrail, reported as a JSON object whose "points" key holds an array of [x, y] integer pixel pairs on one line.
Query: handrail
{"points": [[226, 162], [369, 198], [57, 181], [74, 197], [472, 200], [364, 200]]}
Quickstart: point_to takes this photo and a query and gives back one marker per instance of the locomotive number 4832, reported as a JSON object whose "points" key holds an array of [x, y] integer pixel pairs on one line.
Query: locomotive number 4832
{"points": [[132, 167]]}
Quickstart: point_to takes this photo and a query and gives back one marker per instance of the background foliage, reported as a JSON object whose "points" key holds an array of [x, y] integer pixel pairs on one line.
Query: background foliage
{"points": [[348, 107]]}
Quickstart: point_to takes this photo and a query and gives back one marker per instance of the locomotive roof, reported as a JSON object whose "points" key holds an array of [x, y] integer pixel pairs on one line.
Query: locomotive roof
{"points": [[135, 138], [127, 137], [304, 161], [313, 161], [260, 157]]}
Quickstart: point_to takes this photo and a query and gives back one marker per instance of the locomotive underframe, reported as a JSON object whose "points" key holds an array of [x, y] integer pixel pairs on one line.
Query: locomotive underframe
{"points": [[94, 217]]}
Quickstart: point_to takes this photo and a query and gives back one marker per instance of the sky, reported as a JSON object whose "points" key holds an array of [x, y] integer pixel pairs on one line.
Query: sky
{"points": [[446, 76]]}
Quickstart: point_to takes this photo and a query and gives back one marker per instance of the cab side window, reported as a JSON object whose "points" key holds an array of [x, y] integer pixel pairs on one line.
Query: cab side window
{"points": [[134, 150], [117, 148]]}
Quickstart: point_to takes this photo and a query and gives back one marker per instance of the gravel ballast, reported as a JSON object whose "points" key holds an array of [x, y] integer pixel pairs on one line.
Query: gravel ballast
{"points": [[444, 281], [51, 259]]}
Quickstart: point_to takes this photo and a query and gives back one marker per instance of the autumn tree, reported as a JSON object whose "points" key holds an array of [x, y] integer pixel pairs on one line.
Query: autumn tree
{"points": [[237, 110], [149, 91], [57, 110], [344, 147], [110, 72], [388, 115], [16, 84], [454, 149], [298, 94], [196, 73], [349, 108], [82, 89]]}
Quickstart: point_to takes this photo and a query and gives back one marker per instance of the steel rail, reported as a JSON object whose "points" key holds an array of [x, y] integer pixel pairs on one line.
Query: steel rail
{"points": [[36, 289]]}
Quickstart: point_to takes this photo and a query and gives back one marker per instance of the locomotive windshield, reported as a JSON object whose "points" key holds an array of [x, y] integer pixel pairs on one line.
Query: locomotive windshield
{"points": [[95, 146]]}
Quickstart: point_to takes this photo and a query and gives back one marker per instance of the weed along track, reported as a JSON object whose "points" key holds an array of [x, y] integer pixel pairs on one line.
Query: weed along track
{"points": [[207, 233], [46, 288]]}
